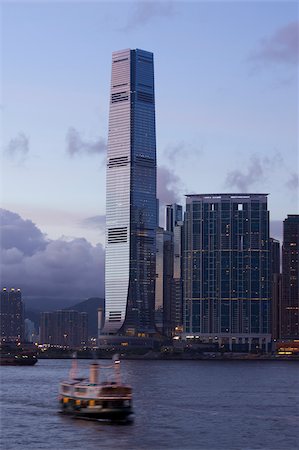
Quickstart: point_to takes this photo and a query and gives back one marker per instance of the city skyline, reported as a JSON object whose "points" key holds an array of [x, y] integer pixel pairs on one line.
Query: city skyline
{"points": [[226, 118]]}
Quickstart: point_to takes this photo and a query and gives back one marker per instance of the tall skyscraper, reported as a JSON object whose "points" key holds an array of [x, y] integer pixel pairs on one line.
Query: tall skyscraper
{"points": [[131, 209], [174, 224], [275, 280], [226, 270], [174, 215], [290, 276], [11, 315], [164, 278]]}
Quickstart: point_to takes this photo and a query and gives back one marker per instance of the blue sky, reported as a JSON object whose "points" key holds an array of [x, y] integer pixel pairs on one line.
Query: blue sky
{"points": [[226, 77]]}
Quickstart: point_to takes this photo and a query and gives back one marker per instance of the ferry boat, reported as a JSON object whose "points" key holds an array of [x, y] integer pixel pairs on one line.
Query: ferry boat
{"points": [[88, 398], [17, 354]]}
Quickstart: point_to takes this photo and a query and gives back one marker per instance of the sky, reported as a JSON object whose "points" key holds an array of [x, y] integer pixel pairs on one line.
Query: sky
{"points": [[226, 85]]}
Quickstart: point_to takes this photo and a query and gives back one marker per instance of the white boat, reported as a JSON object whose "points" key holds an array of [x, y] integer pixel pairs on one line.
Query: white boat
{"points": [[90, 399]]}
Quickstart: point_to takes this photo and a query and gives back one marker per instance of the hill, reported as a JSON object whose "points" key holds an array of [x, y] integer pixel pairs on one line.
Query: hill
{"points": [[90, 306]]}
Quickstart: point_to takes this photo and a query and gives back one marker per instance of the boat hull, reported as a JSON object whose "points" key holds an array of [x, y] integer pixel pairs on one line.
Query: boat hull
{"points": [[109, 414], [17, 354], [17, 362]]}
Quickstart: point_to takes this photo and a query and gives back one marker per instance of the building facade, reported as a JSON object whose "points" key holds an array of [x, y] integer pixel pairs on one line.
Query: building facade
{"points": [[174, 224], [174, 215], [290, 275], [29, 333], [131, 208], [11, 315], [275, 279], [226, 270], [164, 278], [64, 328]]}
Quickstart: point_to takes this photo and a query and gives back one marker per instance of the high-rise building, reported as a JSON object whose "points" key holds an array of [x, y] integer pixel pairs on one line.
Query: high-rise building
{"points": [[275, 280], [131, 209], [174, 215], [174, 224], [11, 315], [164, 277], [65, 328], [290, 276], [29, 333], [226, 270]]}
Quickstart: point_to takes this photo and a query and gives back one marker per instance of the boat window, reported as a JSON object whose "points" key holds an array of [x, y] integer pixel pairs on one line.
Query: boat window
{"points": [[80, 389], [66, 388]]}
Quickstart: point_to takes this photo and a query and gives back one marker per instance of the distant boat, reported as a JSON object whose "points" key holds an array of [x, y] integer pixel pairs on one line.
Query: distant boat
{"points": [[90, 399], [14, 354]]}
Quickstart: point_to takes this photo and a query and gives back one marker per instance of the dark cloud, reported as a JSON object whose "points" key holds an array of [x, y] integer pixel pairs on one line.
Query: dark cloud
{"points": [[18, 148], [281, 47], [48, 268], [75, 145], [11, 238], [257, 171], [145, 12], [95, 222], [293, 182]]}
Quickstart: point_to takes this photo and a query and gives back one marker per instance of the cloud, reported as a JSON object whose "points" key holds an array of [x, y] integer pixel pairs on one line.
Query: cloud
{"points": [[182, 150], [95, 222], [257, 171], [276, 229], [144, 12], [18, 148], [75, 145], [293, 182], [167, 186], [281, 47], [48, 268], [11, 237]]}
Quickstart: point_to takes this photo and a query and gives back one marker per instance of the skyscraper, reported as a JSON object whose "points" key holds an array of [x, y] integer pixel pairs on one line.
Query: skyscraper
{"points": [[164, 278], [64, 328], [275, 280], [11, 315], [174, 215], [174, 224], [290, 278], [226, 269], [131, 209]]}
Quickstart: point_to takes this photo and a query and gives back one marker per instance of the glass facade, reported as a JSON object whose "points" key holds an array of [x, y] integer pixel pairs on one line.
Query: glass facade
{"points": [[226, 265], [11, 315], [290, 278], [131, 210], [174, 224], [164, 278]]}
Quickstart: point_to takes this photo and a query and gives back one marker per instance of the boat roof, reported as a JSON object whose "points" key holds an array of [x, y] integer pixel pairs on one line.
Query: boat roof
{"points": [[84, 382]]}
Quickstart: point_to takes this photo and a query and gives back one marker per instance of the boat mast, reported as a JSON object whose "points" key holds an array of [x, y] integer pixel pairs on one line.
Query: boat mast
{"points": [[74, 368], [117, 369]]}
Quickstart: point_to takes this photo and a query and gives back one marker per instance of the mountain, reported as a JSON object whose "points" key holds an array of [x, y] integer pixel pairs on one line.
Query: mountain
{"points": [[90, 306], [44, 304]]}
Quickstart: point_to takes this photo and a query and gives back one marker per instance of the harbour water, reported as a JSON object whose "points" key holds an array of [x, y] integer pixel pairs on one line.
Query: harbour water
{"points": [[182, 405]]}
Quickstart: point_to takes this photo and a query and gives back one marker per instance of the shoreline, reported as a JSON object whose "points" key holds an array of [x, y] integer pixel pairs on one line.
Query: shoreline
{"points": [[161, 357]]}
